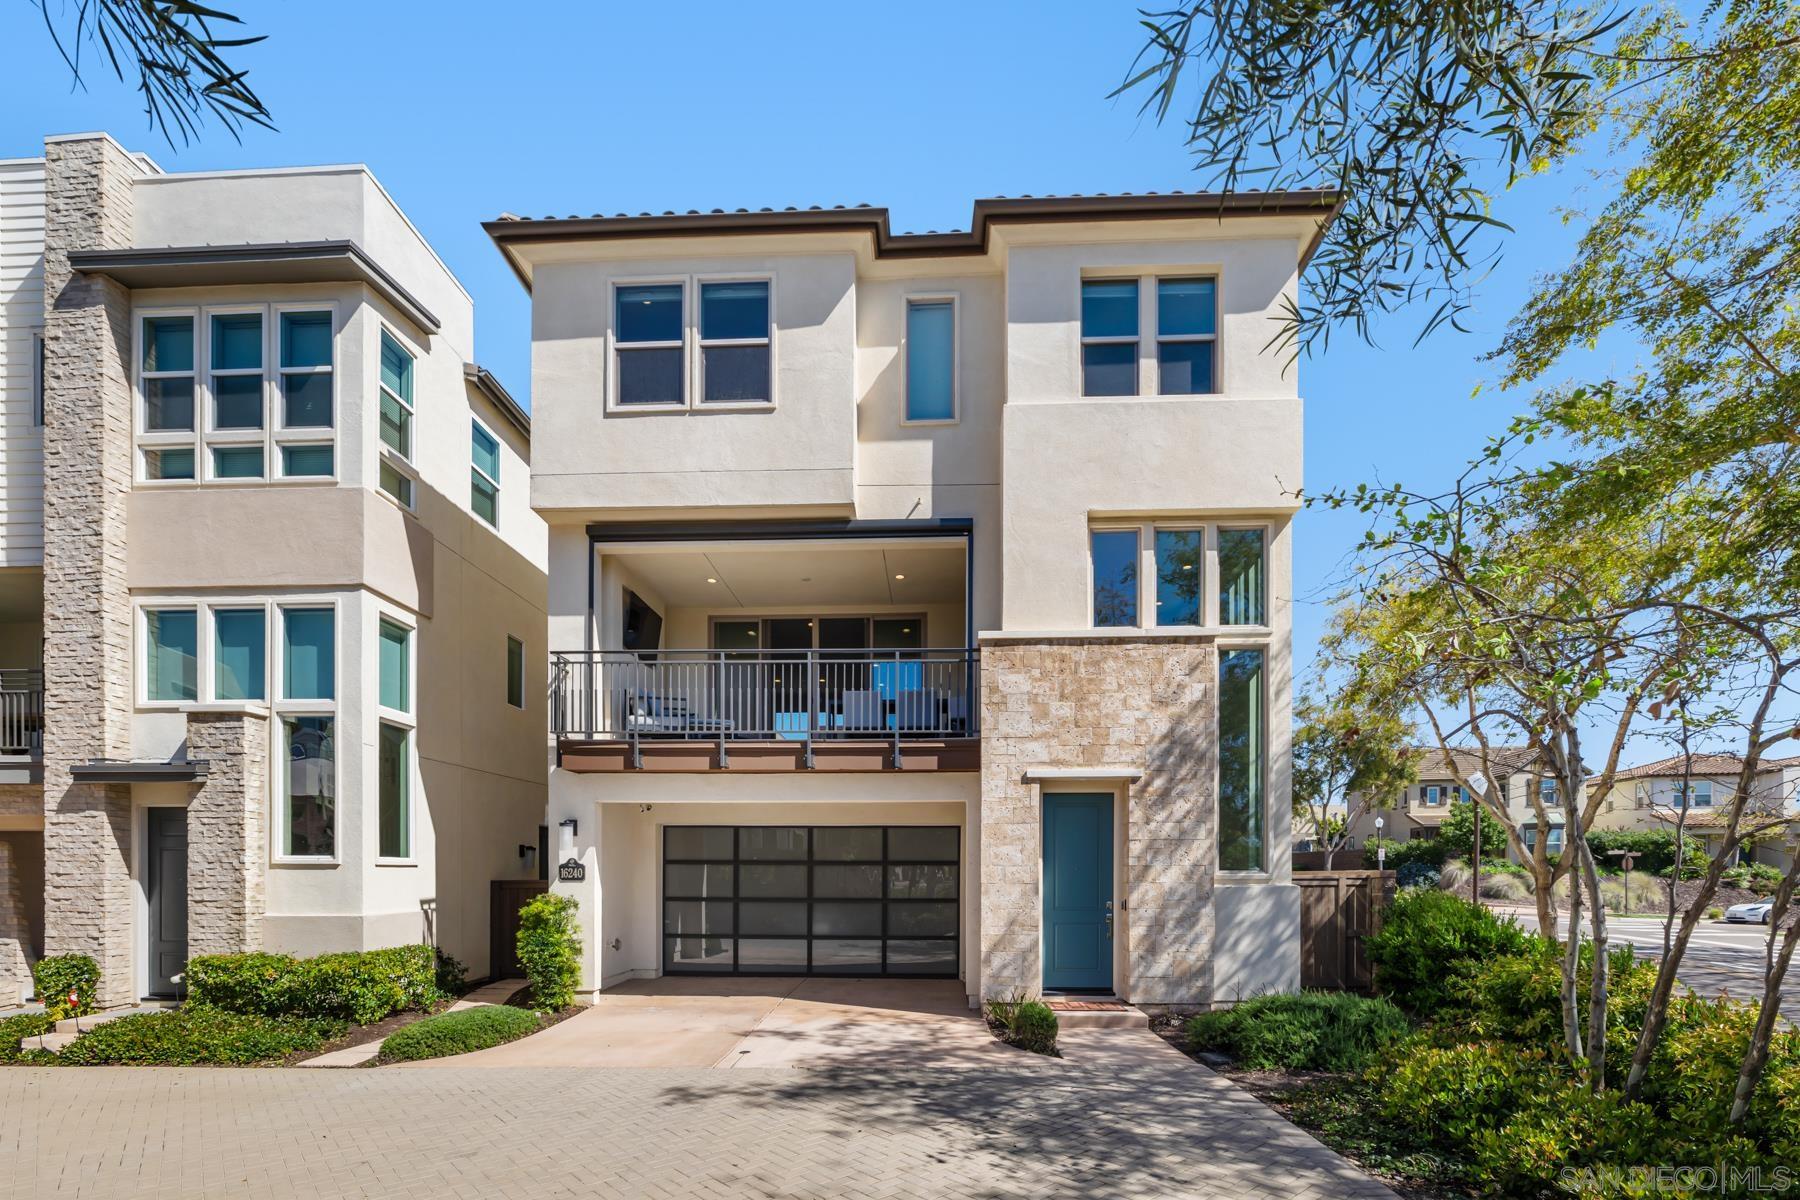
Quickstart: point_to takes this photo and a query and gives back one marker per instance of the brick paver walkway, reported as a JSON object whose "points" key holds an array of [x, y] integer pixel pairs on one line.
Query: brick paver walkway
{"points": [[1107, 1131]]}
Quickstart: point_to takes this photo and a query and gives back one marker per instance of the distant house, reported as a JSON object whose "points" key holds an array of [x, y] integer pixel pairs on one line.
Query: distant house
{"points": [[1654, 796], [1421, 810]]}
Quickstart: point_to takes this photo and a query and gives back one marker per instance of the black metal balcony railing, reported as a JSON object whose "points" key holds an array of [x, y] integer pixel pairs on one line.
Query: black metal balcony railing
{"points": [[21, 712], [798, 695]]}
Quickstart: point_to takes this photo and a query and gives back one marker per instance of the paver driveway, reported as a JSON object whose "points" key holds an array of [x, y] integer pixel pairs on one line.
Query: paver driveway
{"points": [[1121, 1118]]}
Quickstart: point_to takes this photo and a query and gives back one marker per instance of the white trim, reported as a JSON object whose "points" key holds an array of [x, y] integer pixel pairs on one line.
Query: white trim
{"points": [[697, 397], [283, 708], [614, 345], [475, 423], [1266, 872], [405, 719], [1148, 578], [907, 300], [1083, 341], [1061, 775]]}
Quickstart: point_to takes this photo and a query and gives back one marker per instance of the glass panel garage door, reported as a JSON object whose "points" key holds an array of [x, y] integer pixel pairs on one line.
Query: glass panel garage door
{"points": [[811, 900]]}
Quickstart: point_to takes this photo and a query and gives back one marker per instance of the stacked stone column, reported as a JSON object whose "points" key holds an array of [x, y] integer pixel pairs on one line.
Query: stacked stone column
{"points": [[227, 833], [87, 605]]}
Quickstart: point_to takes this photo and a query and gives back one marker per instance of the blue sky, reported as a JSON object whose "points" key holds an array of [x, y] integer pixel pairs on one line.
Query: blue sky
{"points": [[465, 111]]}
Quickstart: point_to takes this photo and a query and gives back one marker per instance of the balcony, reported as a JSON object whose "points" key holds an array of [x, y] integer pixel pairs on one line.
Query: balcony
{"points": [[21, 713], [839, 709]]}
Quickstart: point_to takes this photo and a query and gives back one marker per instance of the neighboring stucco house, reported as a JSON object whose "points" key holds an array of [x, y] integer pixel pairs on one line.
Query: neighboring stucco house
{"points": [[920, 603], [1421, 809], [271, 589], [1652, 796]]}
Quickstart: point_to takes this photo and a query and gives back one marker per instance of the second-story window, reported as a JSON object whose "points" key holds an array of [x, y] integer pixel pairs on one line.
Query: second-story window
{"points": [[648, 327], [1179, 557], [1109, 337], [396, 476], [484, 473], [306, 395], [1241, 561], [1186, 316], [1115, 553], [1154, 575], [931, 360], [734, 343]]}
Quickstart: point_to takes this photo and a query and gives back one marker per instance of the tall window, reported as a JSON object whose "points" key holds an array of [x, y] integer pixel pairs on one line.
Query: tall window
{"points": [[396, 420], [930, 360], [308, 722], [515, 672], [734, 343], [1241, 559], [239, 653], [1109, 337], [1186, 316], [1179, 553], [394, 768], [647, 327], [306, 381], [1115, 554], [166, 385], [484, 473], [1241, 752], [171, 654]]}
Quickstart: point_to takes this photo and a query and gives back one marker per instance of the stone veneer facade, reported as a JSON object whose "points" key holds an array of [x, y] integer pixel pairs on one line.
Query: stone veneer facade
{"points": [[227, 832], [87, 605], [1103, 704]]}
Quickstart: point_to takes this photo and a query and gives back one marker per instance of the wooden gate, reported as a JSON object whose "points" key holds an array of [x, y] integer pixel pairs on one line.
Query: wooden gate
{"points": [[505, 898], [1339, 911]]}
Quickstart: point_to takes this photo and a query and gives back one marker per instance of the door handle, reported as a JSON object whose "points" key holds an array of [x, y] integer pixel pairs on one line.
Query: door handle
{"points": [[1109, 916]]}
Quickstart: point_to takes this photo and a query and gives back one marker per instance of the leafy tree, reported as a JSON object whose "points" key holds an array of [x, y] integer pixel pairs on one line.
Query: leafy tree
{"points": [[169, 47], [1348, 761], [1457, 833]]}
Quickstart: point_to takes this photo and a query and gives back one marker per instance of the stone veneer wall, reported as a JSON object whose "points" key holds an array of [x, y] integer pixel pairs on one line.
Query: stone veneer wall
{"points": [[1146, 705], [87, 606], [15, 932], [227, 832]]}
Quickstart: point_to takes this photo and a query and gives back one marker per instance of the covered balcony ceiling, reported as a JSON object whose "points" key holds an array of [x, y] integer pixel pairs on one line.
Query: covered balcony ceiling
{"points": [[761, 576]]}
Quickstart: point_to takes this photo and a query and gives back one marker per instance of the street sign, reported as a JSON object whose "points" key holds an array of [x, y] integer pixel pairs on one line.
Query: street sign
{"points": [[1479, 782]]}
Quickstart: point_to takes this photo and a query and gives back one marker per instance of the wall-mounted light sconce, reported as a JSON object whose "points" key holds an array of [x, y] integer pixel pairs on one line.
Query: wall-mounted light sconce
{"points": [[570, 827], [528, 855]]}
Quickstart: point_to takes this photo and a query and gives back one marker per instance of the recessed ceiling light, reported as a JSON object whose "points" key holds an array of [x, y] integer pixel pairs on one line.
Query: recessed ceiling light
{"points": [[710, 579], [899, 577], [806, 579]]}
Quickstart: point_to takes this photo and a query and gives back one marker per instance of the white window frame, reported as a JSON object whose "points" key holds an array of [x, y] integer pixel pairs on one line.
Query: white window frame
{"points": [[281, 433], [209, 664], [690, 318], [400, 719], [205, 436], [1136, 340], [1209, 570], [402, 464], [141, 610], [695, 394], [1185, 338], [907, 300], [1267, 872], [493, 480], [1431, 795], [282, 708]]}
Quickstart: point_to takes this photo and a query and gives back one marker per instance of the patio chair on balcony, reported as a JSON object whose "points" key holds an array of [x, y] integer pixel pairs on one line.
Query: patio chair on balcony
{"points": [[918, 709], [652, 714], [864, 712]]}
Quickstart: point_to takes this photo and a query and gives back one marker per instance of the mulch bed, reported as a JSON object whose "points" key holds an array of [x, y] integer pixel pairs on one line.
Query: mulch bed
{"points": [[357, 1035]]}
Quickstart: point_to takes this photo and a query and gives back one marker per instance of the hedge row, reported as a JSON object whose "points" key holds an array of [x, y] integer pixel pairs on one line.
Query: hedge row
{"points": [[458, 1032], [358, 986]]}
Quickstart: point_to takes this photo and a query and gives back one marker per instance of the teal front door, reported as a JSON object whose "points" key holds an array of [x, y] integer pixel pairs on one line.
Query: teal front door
{"points": [[1078, 888]]}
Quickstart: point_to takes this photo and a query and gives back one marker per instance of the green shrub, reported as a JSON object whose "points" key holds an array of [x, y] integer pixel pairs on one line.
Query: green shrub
{"points": [[1313, 1031], [1458, 1091], [16, 1029], [1564, 1127], [452, 976], [549, 949], [1413, 850], [459, 1032], [1417, 875], [360, 986], [1518, 997], [195, 1035], [1023, 1022], [1760, 878], [62, 975], [1429, 940]]}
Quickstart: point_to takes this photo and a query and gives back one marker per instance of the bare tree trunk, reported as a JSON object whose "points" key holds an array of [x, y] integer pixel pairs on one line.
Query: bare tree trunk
{"points": [[1756, 1058], [1571, 1004], [1597, 990]]}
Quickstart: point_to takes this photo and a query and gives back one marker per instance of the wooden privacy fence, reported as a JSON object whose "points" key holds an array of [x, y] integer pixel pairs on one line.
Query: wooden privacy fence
{"points": [[505, 900], [1339, 912]]}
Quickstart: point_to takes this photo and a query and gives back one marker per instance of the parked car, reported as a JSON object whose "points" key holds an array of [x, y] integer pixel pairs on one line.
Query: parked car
{"points": [[1756, 912]]}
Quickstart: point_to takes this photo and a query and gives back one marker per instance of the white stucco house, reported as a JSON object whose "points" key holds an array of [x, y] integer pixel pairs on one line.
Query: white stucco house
{"points": [[919, 604]]}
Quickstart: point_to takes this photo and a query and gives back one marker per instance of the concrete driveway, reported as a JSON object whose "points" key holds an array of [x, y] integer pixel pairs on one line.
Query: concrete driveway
{"points": [[684, 1021]]}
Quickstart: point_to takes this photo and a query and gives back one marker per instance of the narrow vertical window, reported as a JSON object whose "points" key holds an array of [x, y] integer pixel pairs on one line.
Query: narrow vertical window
{"points": [[396, 667], [1241, 570], [930, 360], [239, 654], [734, 343], [167, 374], [309, 786], [1109, 337], [396, 419], [1179, 553], [309, 654], [647, 328], [1186, 336], [236, 380], [484, 473], [394, 772], [1241, 751], [171, 653], [1115, 554], [515, 672], [306, 377]]}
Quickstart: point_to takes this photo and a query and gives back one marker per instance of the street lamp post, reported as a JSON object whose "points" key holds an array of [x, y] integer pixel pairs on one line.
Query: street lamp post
{"points": [[1479, 785], [1380, 845]]}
